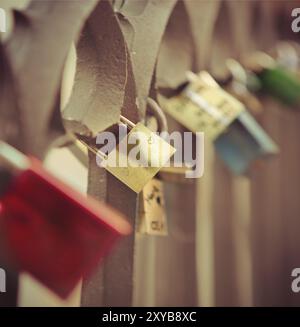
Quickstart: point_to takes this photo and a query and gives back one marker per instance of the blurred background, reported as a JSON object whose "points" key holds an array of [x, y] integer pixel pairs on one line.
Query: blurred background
{"points": [[233, 240]]}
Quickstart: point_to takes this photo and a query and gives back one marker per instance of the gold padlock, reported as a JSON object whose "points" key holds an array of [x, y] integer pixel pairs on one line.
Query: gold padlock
{"points": [[153, 151]]}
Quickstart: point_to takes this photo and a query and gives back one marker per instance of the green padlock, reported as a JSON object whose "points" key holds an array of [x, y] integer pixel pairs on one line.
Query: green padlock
{"points": [[275, 80]]}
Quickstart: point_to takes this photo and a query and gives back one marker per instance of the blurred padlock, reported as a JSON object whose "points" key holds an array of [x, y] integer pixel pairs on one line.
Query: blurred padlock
{"points": [[204, 106], [237, 84], [287, 55], [175, 175], [244, 143], [275, 80], [51, 231]]}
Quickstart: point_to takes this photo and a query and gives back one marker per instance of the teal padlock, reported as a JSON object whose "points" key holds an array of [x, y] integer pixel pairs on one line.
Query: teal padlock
{"points": [[244, 142]]}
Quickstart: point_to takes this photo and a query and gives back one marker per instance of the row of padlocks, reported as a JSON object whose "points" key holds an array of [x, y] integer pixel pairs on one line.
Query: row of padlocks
{"points": [[162, 111]]}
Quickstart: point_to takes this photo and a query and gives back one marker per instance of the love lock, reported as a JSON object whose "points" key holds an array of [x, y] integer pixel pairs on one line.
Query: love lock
{"points": [[52, 231], [274, 79], [135, 158]]}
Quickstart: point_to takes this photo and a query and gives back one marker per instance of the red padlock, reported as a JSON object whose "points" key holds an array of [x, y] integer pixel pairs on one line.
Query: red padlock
{"points": [[52, 231]]}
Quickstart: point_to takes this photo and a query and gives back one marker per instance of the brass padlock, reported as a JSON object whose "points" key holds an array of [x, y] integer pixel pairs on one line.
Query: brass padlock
{"points": [[122, 162]]}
